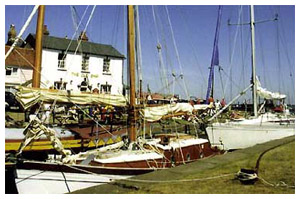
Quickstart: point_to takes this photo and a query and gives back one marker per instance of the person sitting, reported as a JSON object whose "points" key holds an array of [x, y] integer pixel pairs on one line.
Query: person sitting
{"points": [[217, 105], [84, 85], [96, 91], [223, 103]]}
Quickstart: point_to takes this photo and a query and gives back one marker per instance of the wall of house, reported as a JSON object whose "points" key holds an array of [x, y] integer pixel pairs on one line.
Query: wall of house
{"points": [[20, 77], [96, 77]]}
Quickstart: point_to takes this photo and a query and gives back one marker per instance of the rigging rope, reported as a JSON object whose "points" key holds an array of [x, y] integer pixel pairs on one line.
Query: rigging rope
{"points": [[230, 53], [138, 46], [234, 44], [22, 31], [291, 67], [242, 48], [160, 58], [264, 66], [221, 81], [114, 38], [55, 99], [179, 180], [177, 53], [278, 56], [187, 27]]}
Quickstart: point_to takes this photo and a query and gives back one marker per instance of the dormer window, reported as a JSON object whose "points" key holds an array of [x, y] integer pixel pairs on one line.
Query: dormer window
{"points": [[85, 63], [61, 60], [106, 65]]}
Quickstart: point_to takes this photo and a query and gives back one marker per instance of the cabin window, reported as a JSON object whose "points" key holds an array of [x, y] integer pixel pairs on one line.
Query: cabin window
{"points": [[106, 65], [61, 60], [85, 63], [188, 157], [11, 71], [201, 155], [105, 88]]}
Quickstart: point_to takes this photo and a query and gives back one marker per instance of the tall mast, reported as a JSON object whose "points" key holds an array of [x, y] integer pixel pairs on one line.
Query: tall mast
{"points": [[131, 59], [36, 76], [254, 90], [138, 52], [214, 59]]}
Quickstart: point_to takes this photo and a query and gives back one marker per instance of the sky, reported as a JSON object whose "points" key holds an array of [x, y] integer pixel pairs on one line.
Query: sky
{"points": [[193, 30]]}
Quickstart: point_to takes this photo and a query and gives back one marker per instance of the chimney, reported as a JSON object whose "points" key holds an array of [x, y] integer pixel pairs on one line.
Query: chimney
{"points": [[45, 30], [83, 36], [12, 34]]}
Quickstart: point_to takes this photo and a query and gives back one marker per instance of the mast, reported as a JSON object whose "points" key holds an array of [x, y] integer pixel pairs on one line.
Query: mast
{"points": [[138, 53], [214, 59], [36, 76], [131, 60], [254, 90]]}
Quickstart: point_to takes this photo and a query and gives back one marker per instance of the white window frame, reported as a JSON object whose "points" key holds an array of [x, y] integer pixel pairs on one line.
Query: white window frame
{"points": [[85, 63], [106, 65], [105, 88], [62, 62], [12, 72]]}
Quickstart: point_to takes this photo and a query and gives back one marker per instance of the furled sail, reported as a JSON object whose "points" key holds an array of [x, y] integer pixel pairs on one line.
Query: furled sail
{"points": [[152, 114], [262, 92], [30, 96]]}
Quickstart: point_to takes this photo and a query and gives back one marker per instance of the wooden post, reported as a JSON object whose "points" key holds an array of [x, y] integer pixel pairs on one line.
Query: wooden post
{"points": [[36, 76], [131, 59]]}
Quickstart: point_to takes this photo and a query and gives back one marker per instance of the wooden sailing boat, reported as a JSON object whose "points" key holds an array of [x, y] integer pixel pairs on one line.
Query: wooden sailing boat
{"points": [[76, 137], [135, 157]]}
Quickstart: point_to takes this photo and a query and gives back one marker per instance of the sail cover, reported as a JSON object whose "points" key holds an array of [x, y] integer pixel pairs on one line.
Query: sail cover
{"points": [[30, 96], [152, 114], [262, 92]]}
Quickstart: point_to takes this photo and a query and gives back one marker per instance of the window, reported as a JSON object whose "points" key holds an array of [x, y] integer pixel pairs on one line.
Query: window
{"points": [[8, 71], [106, 65], [106, 88], [11, 71], [60, 85], [85, 63], [61, 60]]}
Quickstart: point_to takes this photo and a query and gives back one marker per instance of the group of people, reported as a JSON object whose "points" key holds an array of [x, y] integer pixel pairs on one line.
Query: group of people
{"points": [[217, 105], [103, 113]]}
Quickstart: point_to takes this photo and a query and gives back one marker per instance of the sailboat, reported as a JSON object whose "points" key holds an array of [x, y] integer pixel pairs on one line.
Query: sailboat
{"points": [[263, 127], [131, 156], [77, 137]]}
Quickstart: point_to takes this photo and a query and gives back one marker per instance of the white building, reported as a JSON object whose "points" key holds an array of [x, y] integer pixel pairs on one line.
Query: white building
{"points": [[18, 67], [94, 67]]}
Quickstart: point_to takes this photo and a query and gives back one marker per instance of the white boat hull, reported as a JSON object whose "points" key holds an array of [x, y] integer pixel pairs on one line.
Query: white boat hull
{"points": [[48, 182], [229, 136]]}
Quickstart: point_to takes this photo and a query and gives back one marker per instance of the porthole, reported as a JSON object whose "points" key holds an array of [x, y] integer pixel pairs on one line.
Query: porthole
{"points": [[188, 157]]}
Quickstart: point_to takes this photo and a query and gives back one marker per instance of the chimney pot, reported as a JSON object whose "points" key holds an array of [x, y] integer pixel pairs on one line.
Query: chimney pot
{"points": [[83, 36]]}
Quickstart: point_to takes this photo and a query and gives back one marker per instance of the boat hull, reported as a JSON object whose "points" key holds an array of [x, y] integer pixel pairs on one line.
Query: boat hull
{"points": [[73, 137], [239, 136], [170, 158], [77, 168]]}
